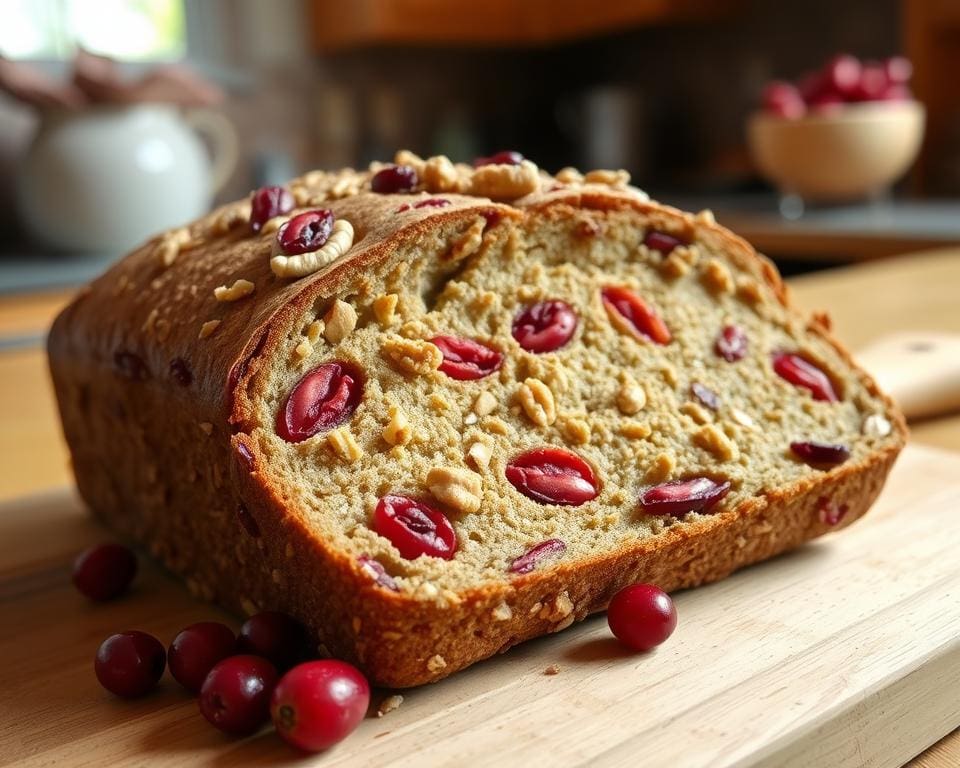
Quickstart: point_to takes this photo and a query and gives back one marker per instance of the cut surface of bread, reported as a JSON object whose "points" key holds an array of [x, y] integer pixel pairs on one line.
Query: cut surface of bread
{"points": [[509, 396]]}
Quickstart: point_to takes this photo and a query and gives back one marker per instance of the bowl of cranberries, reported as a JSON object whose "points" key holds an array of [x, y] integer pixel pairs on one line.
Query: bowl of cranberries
{"points": [[846, 132]]}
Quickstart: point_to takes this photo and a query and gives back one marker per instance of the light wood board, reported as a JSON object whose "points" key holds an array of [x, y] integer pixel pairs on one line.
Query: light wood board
{"points": [[844, 653]]}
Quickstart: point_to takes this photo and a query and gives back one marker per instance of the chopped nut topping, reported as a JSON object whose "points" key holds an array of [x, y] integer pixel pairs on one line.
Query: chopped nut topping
{"points": [[876, 425], [705, 217], [635, 430], [273, 224], [742, 418], [716, 442], [662, 467], [339, 242], [569, 175], [171, 243], [749, 290], [413, 355], [440, 175], [696, 412], [436, 663], [315, 331], [406, 157], [389, 704], [235, 292], [669, 374], [505, 182], [480, 454], [497, 426], [501, 612], [577, 431], [339, 322], [384, 308], [456, 487], [537, 402], [343, 444], [485, 404], [619, 178], [632, 397], [673, 266], [398, 431], [230, 218], [303, 349], [716, 277], [208, 328]]}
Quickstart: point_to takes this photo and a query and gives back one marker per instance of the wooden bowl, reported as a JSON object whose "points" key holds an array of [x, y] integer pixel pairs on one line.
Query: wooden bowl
{"points": [[851, 153]]}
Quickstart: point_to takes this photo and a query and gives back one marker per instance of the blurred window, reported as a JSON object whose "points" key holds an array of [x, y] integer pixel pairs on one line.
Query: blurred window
{"points": [[132, 30]]}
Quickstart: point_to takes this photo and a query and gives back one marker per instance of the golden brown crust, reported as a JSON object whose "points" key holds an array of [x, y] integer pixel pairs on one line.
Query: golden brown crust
{"points": [[205, 507]]}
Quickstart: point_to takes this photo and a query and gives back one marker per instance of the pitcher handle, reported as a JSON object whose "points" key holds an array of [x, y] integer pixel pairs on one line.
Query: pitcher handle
{"points": [[224, 145]]}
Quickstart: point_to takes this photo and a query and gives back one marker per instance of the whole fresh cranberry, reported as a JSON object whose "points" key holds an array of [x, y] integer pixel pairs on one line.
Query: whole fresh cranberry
{"points": [[275, 636], [642, 616], [129, 664], [783, 100], [197, 649], [319, 703], [235, 696], [104, 571]]}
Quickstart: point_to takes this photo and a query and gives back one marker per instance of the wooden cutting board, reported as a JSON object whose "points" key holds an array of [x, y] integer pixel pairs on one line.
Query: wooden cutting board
{"points": [[844, 653]]}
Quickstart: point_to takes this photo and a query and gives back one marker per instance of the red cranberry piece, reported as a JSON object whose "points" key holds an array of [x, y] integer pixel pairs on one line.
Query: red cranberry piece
{"points": [[529, 559], [324, 398], [898, 70], [268, 202], [414, 528], [180, 372], [305, 232], [783, 100], [318, 704], [396, 178], [507, 157], [466, 359], [642, 616], [545, 326], [705, 395], [873, 82], [235, 696], [104, 571], [553, 476], [842, 73], [802, 373], [197, 649], [731, 343], [130, 366], [678, 497], [129, 664], [894, 92], [640, 318], [275, 636], [375, 570], [433, 202], [661, 241], [820, 453], [830, 513]]}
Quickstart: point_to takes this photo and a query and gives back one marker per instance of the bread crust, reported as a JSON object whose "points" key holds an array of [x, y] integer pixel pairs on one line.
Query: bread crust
{"points": [[233, 531]]}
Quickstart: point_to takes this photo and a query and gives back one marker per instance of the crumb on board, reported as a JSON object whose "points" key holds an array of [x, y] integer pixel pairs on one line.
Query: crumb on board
{"points": [[389, 704], [553, 669]]}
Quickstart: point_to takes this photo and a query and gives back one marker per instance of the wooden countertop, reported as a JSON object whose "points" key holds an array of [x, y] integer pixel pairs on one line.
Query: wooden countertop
{"points": [[911, 292]]}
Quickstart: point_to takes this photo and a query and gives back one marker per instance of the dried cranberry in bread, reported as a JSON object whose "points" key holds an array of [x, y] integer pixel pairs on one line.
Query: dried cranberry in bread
{"points": [[439, 419]]}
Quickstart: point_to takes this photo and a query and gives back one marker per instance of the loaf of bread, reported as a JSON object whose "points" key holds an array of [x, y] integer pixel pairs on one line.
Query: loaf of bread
{"points": [[434, 410]]}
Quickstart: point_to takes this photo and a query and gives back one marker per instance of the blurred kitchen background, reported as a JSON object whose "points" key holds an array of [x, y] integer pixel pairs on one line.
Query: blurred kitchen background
{"points": [[663, 88]]}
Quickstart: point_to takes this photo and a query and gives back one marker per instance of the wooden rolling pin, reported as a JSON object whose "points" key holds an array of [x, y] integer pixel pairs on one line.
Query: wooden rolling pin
{"points": [[921, 370]]}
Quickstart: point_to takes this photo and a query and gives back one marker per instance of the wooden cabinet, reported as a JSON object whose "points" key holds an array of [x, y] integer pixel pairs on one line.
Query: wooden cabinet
{"points": [[338, 25]]}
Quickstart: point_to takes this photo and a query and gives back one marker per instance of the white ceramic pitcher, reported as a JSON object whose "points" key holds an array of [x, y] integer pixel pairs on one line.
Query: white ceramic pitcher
{"points": [[104, 179]]}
